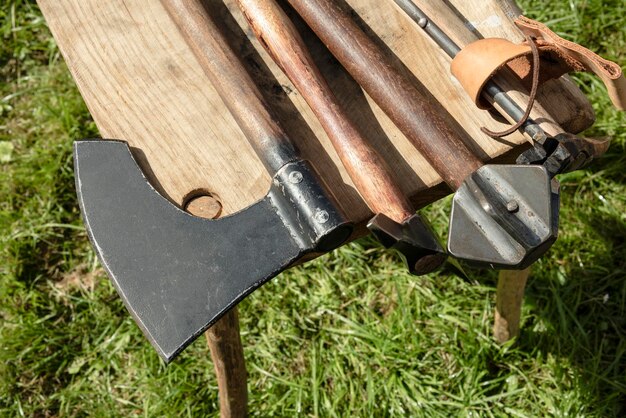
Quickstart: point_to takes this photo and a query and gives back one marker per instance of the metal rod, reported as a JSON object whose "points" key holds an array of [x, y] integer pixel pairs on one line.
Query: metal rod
{"points": [[491, 92]]}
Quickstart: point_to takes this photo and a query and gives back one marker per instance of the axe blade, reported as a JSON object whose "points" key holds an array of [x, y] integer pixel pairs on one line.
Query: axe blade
{"points": [[176, 273], [505, 216]]}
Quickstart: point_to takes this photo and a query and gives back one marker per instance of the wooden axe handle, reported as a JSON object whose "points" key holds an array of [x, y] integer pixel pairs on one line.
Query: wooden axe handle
{"points": [[240, 94], [409, 109], [367, 169]]}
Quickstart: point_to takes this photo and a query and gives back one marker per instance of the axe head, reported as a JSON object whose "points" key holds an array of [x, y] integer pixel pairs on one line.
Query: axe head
{"points": [[413, 238], [176, 273], [504, 216]]}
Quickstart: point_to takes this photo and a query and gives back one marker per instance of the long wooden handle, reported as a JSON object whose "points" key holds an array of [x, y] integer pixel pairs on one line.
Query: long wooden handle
{"points": [[367, 169], [411, 111], [234, 85]]}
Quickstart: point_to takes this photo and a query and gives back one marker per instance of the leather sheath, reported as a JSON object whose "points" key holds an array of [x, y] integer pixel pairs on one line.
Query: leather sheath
{"points": [[481, 60]]}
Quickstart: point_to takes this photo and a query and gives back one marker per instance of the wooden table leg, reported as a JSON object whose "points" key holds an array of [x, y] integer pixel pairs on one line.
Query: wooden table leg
{"points": [[230, 367], [509, 298], [223, 337]]}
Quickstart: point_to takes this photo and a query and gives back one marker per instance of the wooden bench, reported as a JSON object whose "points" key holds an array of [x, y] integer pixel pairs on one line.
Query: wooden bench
{"points": [[142, 84]]}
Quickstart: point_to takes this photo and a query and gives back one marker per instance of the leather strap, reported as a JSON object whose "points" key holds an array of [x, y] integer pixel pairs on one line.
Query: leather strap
{"points": [[481, 60], [531, 98]]}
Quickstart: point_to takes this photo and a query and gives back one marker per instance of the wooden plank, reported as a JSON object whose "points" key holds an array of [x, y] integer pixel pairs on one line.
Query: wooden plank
{"points": [[142, 84]]}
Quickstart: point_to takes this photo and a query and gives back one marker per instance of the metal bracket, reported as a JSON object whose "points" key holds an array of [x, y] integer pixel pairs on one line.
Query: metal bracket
{"points": [[505, 216], [563, 153]]}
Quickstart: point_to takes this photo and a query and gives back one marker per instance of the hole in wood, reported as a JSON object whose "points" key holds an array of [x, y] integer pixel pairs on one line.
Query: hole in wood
{"points": [[203, 203]]}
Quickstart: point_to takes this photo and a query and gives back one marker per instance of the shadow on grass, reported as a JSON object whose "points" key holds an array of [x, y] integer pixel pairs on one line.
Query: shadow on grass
{"points": [[581, 317]]}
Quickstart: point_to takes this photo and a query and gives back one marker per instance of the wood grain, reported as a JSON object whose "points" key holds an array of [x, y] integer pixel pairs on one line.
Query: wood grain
{"points": [[238, 91], [142, 83]]}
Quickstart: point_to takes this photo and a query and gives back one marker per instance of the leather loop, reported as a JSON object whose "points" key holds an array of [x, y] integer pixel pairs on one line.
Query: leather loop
{"points": [[475, 64], [578, 58], [531, 97], [480, 60]]}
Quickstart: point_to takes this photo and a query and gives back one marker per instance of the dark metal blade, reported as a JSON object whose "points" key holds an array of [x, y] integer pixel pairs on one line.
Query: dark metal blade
{"points": [[504, 216], [176, 273]]}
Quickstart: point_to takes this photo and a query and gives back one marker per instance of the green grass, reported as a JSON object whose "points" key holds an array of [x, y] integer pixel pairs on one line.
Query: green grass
{"points": [[349, 334]]}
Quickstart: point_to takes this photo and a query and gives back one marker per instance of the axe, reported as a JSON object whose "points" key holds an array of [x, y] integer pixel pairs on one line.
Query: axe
{"points": [[396, 224], [503, 216], [176, 273]]}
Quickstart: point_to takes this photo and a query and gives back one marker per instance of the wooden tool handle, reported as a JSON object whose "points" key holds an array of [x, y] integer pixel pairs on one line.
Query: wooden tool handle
{"points": [[367, 169], [393, 92], [234, 85]]}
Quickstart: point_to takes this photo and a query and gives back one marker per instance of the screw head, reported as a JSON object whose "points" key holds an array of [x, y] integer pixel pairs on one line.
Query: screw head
{"points": [[422, 22], [295, 177], [321, 216], [512, 206]]}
